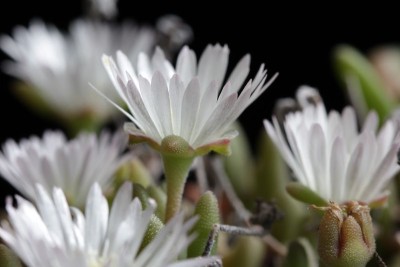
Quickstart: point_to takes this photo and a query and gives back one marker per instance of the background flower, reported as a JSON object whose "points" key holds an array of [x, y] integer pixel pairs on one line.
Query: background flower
{"points": [[53, 161], [57, 67], [329, 155]]}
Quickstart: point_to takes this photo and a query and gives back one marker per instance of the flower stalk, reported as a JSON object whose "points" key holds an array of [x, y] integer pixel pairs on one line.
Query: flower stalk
{"points": [[177, 158]]}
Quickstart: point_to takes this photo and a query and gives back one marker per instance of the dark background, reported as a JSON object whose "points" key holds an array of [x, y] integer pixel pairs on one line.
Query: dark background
{"points": [[294, 40]]}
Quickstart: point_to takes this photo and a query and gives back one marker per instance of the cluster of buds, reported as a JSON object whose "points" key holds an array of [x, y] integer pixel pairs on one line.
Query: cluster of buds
{"points": [[346, 236]]}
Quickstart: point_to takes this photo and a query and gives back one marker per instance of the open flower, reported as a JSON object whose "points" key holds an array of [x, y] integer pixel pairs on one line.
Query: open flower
{"points": [[57, 67], [53, 161], [191, 101], [331, 157], [55, 235]]}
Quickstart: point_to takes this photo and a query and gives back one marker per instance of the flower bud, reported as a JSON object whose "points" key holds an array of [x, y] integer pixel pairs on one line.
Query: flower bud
{"points": [[346, 235], [208, 212]]}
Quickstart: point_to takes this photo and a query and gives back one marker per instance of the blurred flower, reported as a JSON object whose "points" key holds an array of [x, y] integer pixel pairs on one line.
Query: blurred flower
{"points": [[53, 161], [57, 67], [386, 61], [106, 8], [55, 235], [190, 101], [173, 32], [328, 154]]}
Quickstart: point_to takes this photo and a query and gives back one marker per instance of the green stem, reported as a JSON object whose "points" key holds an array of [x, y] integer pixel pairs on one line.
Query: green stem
{"points": [[176, 171]]}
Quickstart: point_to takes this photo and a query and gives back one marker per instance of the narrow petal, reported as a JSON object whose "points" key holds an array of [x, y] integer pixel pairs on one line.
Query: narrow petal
{"points": [[96, 212], [190, 108], [176, 92], [239, 74], [186, 66], [337, 170], [212, 65], [163, 108]]}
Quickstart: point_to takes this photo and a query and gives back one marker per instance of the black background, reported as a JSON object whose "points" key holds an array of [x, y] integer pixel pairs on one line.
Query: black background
{"points": [[294, 40]]}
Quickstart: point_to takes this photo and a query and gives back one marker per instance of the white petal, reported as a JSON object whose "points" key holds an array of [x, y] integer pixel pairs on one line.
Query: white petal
{"points": [[48, 211], [119, 207], [96, 212], [190, 108], [186, 66], [162, 65], [138, 108], [240, 73], [371, 122], [217, 120], [125, 66], [318, 157], [161, 98], [176, 92], [144, 67], [150, 101], [212, 65], [338, 161]]}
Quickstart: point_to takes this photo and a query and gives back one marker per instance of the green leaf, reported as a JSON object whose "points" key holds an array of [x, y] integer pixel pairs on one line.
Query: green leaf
{"points": [[350, 63], [305, 194], [301, 254], [208, 212], [141, 193], [161, 199], [8, 258], [154, 227], [134, 171], [240, 167], [272, 177], [248, 251]]}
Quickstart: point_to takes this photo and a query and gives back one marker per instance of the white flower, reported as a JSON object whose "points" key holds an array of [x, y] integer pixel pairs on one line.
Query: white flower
{"points": [[59, 66], [53, 161], [191, 101], [56, 235], [328, 154]]}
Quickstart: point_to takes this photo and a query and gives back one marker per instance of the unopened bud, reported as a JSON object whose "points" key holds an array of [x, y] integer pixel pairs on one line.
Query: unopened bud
{"points": [[346, 235], [208, 211]]}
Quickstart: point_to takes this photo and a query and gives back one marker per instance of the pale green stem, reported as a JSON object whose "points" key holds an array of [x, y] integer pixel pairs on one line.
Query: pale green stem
{"points": [[176, 170]]}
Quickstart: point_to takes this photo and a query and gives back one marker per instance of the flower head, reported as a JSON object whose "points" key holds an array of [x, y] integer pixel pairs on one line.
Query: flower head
{"points": [[53, 161], [55, 235], [331, 157], [57, 67], [191, 101]]}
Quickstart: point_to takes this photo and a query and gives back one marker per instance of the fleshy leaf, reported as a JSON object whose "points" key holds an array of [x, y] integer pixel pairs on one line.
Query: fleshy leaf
{"points": [[272, 177], [154, 227], [301, 253], [208, 211], [135, 172], [161, 199], [350, 63], [305, 194], [8, 258], [239, 165], [248, 251]]}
